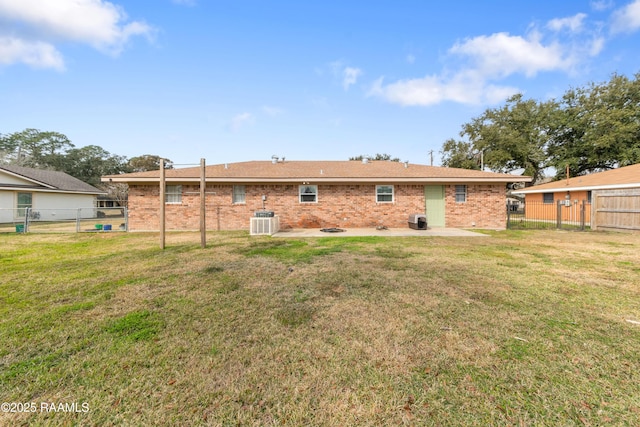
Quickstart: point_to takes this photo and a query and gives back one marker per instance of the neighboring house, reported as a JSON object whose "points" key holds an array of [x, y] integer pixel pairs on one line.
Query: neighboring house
{"points": [[317, 194], [104, 201], [573, 192], [50, 195]]}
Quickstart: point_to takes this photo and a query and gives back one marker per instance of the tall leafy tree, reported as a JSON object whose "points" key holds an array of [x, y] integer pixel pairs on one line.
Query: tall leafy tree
{"points": [[592, 128], [599, 127], [515, 136], [34, 148], [460, 154], [91, 162], [147, 162]]}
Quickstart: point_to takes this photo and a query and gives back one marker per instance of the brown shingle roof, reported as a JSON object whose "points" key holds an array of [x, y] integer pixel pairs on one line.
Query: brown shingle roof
{"points": [[624, 177], [321, 171]]}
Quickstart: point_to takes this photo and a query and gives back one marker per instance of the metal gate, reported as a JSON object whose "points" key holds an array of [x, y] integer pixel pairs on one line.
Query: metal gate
{"points": [[563, 214]]}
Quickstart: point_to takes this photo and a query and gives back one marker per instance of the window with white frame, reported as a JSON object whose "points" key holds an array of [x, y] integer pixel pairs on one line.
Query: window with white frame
{"points": [[173, 194], [25, 200], [308, 193], [384, 193], [239, 194], [461, 193]]}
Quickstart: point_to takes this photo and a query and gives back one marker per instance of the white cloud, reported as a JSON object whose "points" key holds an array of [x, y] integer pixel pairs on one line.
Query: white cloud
{"points": [[572, 23], [97, 23], [350, 76], [347, 75], [422, 91], [600, 5], [241, 120], [464, 88], [626, 19], [595, 46], [501, 54], [477, 65], [34, 54]]}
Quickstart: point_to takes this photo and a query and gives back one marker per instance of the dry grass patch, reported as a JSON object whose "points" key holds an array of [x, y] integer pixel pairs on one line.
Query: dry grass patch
{"points": [[519, 328]]}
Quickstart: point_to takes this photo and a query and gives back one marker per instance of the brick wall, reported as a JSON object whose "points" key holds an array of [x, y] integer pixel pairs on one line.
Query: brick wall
{"points": [[485, 207], [347, 206]]}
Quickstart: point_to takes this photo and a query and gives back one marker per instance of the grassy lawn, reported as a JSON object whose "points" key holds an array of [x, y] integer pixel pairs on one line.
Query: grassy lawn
{"points": [[521, 328]]}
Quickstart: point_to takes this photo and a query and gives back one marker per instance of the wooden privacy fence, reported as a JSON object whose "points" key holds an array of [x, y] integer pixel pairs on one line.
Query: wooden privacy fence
{"points": [[616, 210]]}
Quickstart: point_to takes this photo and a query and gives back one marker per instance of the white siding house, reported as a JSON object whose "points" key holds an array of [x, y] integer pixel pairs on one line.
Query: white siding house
{"points": [[53, 195]]}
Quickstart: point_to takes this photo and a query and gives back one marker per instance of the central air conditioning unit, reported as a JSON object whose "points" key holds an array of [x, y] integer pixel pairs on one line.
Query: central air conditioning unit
{"points": [[264, 225]]}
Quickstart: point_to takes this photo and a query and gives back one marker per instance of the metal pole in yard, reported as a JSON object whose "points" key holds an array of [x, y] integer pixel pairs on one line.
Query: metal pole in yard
{"points": [[27, 212], [203, 210], [162, 196]]}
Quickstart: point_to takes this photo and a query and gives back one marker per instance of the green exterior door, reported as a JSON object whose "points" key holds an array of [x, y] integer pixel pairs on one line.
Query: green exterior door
{"points": [[434, 200]]}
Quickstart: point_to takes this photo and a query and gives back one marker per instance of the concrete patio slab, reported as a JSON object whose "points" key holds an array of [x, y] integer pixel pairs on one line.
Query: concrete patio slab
{"points": [[391, 232]]}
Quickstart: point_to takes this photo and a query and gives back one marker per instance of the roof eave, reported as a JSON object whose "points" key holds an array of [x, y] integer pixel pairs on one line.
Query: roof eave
{"points": [[424, 180], [27, 178], [50, 190], [576, 188]]}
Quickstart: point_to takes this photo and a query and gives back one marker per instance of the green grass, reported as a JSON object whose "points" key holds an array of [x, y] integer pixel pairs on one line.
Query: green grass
{"points": [[520, 328], [137, 325]]}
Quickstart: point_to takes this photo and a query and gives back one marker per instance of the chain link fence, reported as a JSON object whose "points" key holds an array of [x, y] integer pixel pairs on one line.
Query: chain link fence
{"points": [[78, 220]]}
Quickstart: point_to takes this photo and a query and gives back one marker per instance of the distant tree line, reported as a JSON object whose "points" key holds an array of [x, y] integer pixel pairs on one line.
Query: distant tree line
{"points": [[590, 129], [378, 156], [54, 151]]}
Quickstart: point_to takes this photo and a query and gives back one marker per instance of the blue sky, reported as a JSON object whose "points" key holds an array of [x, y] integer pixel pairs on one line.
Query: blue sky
{"points": [[240, 80]]}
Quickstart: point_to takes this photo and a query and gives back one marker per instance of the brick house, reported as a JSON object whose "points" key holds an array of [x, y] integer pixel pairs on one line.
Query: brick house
{"points": [[574, 191], [317, 194]]}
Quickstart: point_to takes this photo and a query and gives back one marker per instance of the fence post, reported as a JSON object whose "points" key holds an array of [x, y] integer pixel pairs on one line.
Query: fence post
{"points": [[27, 214], [78, 215], [582, 215], [593, 219], [559, 215]]}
